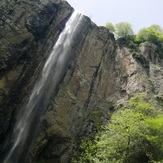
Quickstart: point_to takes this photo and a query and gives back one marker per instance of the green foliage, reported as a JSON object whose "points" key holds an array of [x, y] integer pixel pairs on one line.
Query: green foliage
{"points": [[155, 136], [110, 27], [125, 35], [130, 42], [149, 34], [153, 34], [134, 134], [95, 117], [157, 28], [140, 103], [123, 29]]}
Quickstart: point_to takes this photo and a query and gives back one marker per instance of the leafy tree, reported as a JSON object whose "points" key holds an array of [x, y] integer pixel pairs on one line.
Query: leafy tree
{"points": [[154, 34], [123, 29], [155, 136], [110, 27], [133, 135], [157, 28], [142, 35]]}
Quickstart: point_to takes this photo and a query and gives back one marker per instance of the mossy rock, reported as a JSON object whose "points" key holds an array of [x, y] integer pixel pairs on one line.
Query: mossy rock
{"points": [[141, 59], [159, 99], [96, 118]]}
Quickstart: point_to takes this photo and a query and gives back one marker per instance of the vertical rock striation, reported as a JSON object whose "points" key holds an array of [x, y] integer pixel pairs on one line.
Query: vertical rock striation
{"points": [[84, 87], [29, 29]]}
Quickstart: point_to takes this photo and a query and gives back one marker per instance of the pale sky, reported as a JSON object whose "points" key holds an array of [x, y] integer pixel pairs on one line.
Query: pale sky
{"points": [[139, 13]]}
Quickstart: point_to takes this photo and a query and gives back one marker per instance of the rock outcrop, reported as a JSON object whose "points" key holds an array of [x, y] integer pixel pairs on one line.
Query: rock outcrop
{"points": [[101, 73], [149, 51]]}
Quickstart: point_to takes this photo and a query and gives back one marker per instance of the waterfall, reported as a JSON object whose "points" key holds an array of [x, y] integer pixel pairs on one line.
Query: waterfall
{"points": [[52, 73]]}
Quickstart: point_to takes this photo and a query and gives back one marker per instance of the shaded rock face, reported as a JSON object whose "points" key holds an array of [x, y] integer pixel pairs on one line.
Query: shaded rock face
{"points": [[28, 32], [84, 88], [149, 51], [100, 74], [30, 29]]}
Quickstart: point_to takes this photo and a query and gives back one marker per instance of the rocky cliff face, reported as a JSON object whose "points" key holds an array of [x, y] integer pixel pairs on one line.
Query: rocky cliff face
{"points": [[101, 73], [25, 27], [29, 29]]}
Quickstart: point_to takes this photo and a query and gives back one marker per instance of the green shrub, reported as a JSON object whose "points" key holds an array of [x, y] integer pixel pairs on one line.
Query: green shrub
{"points": [[110, 27], [134, 135], [153, 34], [123, 29], [125, 36], [155, 136]]}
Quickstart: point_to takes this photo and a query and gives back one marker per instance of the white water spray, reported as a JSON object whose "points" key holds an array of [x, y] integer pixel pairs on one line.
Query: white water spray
{"points": [[51, 74]]}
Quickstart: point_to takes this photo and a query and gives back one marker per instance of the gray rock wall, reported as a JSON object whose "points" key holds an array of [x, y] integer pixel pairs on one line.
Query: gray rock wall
{"points": [[28, 32], [83, 89]]}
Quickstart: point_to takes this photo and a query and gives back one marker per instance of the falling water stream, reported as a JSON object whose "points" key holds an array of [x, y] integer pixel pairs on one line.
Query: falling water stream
{"points": [[51, 75]]}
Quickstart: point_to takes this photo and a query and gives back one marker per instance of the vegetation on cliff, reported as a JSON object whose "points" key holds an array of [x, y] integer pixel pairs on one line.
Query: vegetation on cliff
{"points": [[153, 34], [122, 29], [133, 135]]}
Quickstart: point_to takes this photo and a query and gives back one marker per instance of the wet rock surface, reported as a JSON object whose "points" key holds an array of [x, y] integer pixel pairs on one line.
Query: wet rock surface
{"points": [[101, 73], [24, 46]]}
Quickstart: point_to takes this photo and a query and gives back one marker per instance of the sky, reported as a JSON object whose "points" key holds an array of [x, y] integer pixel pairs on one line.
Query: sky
{"points": [[139, 13]]}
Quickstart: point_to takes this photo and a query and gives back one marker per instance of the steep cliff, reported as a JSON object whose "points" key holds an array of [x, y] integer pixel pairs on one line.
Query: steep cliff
{"points": [[29, 29], [101, 73]]}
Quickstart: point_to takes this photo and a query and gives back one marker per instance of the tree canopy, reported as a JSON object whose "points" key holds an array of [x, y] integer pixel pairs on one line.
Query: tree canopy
{"points": [[124, 33], [110, 27], [133, 135], [122, 29], [154, 34]]}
